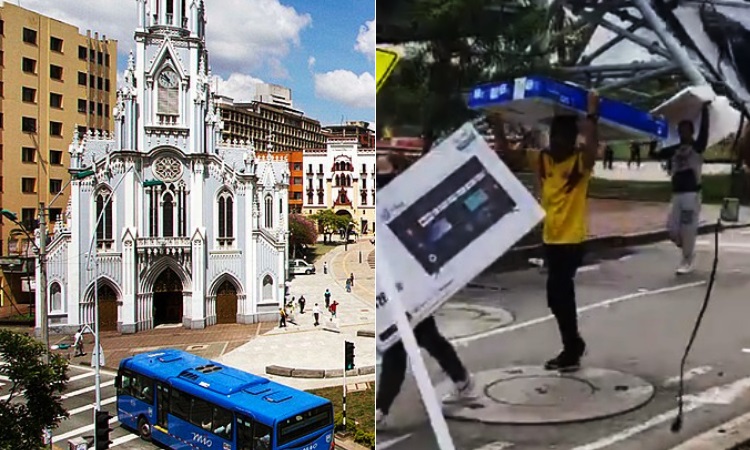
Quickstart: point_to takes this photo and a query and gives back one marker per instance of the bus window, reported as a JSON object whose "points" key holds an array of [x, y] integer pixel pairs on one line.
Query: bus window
{"points": [[180, 405], [143, 388], [262, 437], [200, 414], [222, 423], [125, 383], [305, 424], [244, 433]]}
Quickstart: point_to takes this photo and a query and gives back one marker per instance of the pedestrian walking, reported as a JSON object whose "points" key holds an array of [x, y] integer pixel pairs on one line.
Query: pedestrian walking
{"points": [[686, 166], [327, 296], [351, 278], [348, 285], [316, 314], [301, 302], [325, 267], [635, 155], [609, 157], [428, 337], [282, 318], [78, 342], [565, 171], [333, 308]]}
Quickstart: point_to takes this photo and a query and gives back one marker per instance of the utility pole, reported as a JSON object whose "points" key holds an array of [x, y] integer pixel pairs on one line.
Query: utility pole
{"points": [[42, 284]]}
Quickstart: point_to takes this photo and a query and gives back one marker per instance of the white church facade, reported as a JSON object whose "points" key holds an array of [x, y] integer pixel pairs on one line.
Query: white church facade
{"points": [[184, 228]]}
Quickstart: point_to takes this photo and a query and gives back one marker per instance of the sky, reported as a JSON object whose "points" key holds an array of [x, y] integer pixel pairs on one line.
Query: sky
{"points": [[322, 49]]}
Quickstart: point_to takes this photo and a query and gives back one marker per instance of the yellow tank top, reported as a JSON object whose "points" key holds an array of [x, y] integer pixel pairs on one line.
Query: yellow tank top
{"points": [[564, 194]]}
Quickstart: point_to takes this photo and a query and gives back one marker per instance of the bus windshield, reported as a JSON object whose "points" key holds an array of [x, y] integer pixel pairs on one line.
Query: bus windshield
{"points": [[304, 424]]}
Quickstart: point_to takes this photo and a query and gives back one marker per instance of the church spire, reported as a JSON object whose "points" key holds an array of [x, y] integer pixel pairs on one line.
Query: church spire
{"points": [[172, 14]]}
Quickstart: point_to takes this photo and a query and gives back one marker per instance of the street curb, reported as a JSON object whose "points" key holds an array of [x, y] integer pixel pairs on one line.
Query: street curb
{"points": [[291, 372], [518, 258], [366, 333], [724, 437]]}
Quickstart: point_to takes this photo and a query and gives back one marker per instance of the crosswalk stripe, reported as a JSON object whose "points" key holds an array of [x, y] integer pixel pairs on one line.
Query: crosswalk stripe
{"points": [[79, 430], [87, 389], [123, 439], [106, 401], [81, 376]]}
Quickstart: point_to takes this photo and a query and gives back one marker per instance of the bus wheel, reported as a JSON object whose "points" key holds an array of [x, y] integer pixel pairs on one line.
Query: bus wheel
{"points": [[144, 429]]}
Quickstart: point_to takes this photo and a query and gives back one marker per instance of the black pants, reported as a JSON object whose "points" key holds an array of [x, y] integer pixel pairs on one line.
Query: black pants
{"points": [[316, 315], [394, 362], [563, 261]]}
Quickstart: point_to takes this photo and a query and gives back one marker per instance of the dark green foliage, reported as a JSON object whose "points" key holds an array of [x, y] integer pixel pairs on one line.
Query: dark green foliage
{"points": [[38, 387]]}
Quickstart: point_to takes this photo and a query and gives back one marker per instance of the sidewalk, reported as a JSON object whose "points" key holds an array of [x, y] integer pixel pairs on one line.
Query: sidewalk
{"points": [[305, 346]]}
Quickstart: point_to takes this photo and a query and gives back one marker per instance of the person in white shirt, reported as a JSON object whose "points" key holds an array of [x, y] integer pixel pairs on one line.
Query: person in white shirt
{"points": [[78, 342], [316, 314]]}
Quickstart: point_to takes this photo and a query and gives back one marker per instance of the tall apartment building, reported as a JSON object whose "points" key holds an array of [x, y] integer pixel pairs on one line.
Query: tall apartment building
{"points": [[52, 80], [358, 129], [272, 127]]}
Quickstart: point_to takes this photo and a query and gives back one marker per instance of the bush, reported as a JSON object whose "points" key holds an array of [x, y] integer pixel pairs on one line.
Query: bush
{"points": [[361, 437]]}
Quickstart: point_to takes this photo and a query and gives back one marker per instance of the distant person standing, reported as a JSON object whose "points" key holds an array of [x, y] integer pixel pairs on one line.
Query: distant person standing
{"points": [[325, 267], [333, 307], [282, 318], [316, 314], [348, 285], [78, 342], [351, 278], [635, 155], [301, 302], [327, 296], [609, 157]]}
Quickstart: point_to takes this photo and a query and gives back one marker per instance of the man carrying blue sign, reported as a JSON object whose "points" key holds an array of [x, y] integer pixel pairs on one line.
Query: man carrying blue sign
{"points": [[565, 170]]}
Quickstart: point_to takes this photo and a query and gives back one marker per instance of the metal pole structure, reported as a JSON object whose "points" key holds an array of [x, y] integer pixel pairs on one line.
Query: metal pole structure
{"points": [[43, 281], [343, 409], [677, 52]]}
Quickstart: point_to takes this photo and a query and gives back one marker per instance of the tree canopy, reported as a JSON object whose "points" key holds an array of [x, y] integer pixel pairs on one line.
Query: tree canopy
{"points": [[303, 231], [37, 383], [330, 222]]}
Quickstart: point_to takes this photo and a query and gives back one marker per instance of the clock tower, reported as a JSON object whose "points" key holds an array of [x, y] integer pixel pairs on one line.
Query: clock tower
{"points": [[170, 76]]}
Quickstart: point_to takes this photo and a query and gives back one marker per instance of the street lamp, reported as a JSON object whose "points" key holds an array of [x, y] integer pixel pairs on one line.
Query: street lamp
{"points": [[42, 252]]}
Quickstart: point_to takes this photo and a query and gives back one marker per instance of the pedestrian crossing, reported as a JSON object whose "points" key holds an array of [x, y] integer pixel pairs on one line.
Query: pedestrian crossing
{"points": [[78, 400]]}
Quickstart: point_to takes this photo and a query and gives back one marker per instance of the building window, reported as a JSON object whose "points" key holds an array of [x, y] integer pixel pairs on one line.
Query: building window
{"points": [[297, 166], [82, 105], [99, 58], [92, 55], [28, 94], [55, 100], [2, 27], [100, 109], [28, 218], [28, 125], [104, 226], [55, 298], [309, 198], [28, 65], [29, 36], [55, 157], [56, 44], [297, 181], [28, 154], [364, 198], [364, 168], [28, 185], [226, 218], [81, 130], [81, 79], [55, 72], [106, 85], [2, 89], [82, 52], [55, 186], [364, 183], [320, 198], [55, 129], [267, 287], [320, 168], [269, 212], [309, 169], [167, 215], [54, 214], [92, 81]]}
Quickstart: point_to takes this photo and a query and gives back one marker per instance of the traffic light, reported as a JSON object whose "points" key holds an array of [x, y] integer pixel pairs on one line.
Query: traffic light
{"points": [[102, 430], [349, 355]]}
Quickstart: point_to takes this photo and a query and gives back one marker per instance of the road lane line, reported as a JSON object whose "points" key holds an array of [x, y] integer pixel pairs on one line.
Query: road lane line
{"points": [[77, 431], [87, 389], [123, 439], [81, 376], [392, 442], [717, 395], [496, 446], [692, 373], [106, 401], [602, 304]]}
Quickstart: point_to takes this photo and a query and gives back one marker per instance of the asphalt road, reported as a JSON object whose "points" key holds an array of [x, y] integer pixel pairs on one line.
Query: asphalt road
{"points": [[78, 400], [637, 319]]}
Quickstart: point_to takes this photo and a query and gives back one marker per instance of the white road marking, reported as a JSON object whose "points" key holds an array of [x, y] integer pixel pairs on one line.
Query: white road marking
{"points": [[392, 442], [590, 268], [717, 395], [692, 373], [746, 350], [77, 431], [81, 376], [602, 304], [105, 401], [87, 389], [123, 439], [496, 446]]}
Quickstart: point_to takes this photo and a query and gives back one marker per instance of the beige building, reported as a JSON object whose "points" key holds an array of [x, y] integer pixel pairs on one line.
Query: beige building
{"points": [[52, 80]]}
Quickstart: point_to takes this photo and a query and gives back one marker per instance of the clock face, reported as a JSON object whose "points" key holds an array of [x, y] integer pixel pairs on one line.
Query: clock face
{"points": [[168, 79]]}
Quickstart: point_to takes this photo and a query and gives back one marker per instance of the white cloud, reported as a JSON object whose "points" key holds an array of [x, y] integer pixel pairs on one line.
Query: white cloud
{"points": [[311, 62], [366, 39], [242, 35], [238, 86], [346, 87]]}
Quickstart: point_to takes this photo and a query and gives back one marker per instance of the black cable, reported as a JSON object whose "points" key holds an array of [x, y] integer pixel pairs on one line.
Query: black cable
{"points": [[677, 424]]}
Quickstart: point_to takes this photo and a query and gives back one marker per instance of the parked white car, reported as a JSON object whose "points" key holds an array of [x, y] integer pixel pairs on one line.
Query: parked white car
{"points": [[301, 267]]}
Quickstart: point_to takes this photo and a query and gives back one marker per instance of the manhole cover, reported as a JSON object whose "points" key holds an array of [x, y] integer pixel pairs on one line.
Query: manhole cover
{"points": [[196, 347], [532, 395], [458, 320]]}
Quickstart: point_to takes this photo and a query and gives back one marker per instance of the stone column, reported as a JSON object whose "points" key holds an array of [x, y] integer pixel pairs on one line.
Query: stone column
{"points": [[195, 318]]}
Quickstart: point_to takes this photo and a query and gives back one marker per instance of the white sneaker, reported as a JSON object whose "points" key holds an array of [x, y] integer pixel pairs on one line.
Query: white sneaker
{"points": [[464, 393], [381, 421], [685, 267]]}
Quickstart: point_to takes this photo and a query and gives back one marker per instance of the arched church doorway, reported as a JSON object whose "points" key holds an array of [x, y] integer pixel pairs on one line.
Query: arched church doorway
{"points": [[226, 303], [107, 308], [167, 298]]}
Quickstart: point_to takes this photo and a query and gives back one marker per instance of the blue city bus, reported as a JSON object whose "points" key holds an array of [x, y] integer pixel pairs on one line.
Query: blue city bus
{"points": [[184, 401]]}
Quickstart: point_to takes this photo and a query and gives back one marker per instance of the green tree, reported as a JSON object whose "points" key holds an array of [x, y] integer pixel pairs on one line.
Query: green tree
{"points": [[330, 223], [303, 232], [39, 385]]}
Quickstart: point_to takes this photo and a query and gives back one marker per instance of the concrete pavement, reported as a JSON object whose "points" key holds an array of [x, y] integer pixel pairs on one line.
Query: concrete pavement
{"points": [[636, 316], [301, 345]]}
